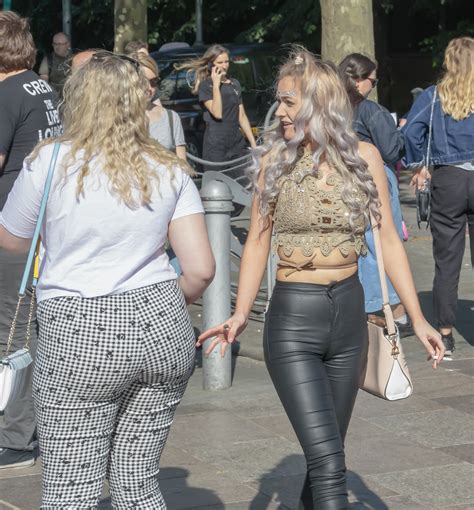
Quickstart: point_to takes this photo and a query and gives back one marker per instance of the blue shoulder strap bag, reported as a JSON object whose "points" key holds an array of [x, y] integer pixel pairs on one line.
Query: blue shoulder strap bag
{"points": [[13, 366]]}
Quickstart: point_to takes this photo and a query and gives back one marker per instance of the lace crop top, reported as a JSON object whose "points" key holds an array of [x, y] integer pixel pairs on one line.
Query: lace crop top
{"points": [[308, 216]]}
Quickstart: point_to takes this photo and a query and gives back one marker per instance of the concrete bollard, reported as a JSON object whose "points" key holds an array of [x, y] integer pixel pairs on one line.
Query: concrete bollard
{"points": [[217, 200]]}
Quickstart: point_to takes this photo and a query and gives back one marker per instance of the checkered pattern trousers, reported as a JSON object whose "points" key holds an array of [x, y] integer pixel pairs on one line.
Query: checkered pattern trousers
{"points": [[110, 372]]}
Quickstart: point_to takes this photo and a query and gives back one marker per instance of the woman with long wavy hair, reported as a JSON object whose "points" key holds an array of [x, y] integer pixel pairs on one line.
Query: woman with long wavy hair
{"points": [[315, 187], [447, 112], [116, 346], [220, 96]]}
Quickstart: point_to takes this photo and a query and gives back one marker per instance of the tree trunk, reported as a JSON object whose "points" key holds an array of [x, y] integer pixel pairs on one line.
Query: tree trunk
{"points": [[347, 27], [130, 22]]}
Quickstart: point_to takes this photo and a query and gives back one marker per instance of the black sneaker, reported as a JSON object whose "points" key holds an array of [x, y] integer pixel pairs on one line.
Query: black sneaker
{"points": [[448, 342], [10, 459], [405, 328]]}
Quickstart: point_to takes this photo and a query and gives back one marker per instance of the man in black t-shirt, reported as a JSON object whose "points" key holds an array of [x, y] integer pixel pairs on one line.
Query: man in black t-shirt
{"points": [[27, 115]]}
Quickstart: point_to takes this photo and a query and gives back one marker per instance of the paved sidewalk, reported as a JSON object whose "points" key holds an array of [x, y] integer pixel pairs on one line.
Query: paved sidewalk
{"points": [[235, 449]]}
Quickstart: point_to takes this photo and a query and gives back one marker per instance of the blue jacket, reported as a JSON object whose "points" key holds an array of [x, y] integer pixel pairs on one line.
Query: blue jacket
{"points": [[452, 141], [374, 124]]}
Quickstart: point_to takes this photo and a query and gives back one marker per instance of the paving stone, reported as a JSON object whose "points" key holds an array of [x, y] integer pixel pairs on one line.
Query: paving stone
{"points": [[367, 406], [222, 427], [280, 425], [391, 452], [445, 385], [464, 366], [444, 427], [20, 493], [255, 460], [464, 452], [463, 403], [428, 486]]}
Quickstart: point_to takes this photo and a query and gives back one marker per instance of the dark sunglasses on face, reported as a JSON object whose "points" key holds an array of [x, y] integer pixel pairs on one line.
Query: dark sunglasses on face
{"points": [[373, 82], [154, 82]]}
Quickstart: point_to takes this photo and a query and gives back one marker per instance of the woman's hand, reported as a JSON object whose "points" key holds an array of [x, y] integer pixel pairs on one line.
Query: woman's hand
{"points": [[420, 175], [216, 76], [224, 333], [431, 339]]}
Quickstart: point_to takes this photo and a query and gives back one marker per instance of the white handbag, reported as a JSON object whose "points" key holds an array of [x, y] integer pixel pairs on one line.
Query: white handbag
{"points": [[385, 372], [14, 366]]}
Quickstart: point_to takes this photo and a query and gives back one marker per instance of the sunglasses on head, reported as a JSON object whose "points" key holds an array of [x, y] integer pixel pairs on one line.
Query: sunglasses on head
{"points": [[103, 54]]}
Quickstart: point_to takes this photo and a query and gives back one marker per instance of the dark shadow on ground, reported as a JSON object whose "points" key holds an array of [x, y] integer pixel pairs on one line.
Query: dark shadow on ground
{"points": [[465, 316], [178, 494]]}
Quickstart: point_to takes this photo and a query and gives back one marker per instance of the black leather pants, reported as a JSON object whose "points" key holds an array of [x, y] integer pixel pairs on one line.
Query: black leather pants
{"points": [[314, 339]]}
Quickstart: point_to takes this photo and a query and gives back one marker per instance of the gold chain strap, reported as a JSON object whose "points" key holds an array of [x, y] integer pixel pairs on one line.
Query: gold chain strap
{"points": [[13, 326], [15, 319]]}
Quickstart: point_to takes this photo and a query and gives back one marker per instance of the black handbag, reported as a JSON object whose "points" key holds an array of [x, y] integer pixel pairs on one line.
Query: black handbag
{"points": [[423, 204], [423, 196]]}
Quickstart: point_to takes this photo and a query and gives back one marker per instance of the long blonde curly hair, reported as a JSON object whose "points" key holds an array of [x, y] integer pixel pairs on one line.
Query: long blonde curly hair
{"points": [[325, 118], [104, 117], [456, 86]]}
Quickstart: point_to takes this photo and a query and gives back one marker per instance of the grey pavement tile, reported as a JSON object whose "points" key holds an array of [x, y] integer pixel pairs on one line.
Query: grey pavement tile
{"points": [[391, 452], [191, 497], [367, 406], [279, 424], [254, 460], [445, 385], [21, 493], [464, 452], [213, 428], [444, 427], [463, 403], [464, 366], [260, 502], [361, 427], [400, 503], [285, 491], [191, 408], [254, 406], [433, 487], [174, 457]]}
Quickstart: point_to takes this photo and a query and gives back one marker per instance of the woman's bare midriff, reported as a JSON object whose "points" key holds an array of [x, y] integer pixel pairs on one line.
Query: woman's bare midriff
{"points": [[327, 269]]}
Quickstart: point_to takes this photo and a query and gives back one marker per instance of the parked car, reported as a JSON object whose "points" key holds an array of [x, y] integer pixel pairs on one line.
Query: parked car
{"points": [[254, 65]]}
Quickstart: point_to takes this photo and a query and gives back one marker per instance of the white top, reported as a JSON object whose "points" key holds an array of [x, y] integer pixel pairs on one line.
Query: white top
{"points": [[95, 245]]}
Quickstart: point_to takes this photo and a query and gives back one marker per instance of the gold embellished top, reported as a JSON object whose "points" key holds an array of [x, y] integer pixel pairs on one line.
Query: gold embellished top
{"points": [[309, 212]]}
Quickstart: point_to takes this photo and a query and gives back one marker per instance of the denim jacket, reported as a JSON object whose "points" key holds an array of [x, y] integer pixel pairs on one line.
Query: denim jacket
{"points": [[452, 141], [374, 124]]}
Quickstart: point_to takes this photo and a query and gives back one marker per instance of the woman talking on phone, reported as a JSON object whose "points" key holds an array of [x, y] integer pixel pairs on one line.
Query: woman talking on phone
{"points": [[221, 98]]}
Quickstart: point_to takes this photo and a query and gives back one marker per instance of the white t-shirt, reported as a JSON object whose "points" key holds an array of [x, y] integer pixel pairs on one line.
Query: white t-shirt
{"points": [[95, 245]]}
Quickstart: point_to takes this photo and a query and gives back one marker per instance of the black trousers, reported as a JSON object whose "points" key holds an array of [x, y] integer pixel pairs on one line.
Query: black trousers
{"points": [[452, 207], [314, 340]]}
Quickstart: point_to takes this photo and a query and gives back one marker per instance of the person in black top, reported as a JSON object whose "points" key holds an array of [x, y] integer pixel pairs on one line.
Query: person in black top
{"points": [[221, 98], [27, 115]]}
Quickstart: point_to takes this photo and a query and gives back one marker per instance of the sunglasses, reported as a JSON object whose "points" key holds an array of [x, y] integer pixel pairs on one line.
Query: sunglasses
{"points": [[373, 82], [154, 82], [103, 54]]}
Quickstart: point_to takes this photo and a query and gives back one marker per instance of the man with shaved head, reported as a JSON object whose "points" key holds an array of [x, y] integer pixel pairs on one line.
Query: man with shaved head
{"points": [[54, 67]]}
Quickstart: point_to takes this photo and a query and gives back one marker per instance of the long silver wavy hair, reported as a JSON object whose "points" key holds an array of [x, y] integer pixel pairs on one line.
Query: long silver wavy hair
{"points": [[325, 119]]}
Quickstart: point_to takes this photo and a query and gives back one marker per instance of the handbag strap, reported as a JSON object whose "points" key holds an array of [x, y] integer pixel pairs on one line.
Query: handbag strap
{"points": [[34, 241], [33, 256], [387, 310], [430, 129]]}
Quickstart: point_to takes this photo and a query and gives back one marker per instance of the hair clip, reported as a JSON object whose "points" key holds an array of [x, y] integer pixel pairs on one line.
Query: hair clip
{"points": [[298, 60]]}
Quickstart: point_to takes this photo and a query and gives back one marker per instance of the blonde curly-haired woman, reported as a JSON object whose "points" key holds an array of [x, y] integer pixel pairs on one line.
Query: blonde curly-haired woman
{"points": [[449, 108], [316, 185], [116, 346]]}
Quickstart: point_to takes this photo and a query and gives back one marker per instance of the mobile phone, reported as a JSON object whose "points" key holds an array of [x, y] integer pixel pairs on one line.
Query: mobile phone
{"points": [[210, 65]]}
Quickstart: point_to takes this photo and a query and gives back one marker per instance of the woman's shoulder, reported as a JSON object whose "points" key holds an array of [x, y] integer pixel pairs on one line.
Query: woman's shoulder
{"points": [[371, 107], [369, 153]]}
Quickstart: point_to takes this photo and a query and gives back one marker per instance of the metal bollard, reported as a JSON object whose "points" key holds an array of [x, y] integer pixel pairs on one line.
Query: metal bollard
{"points": [[217, 200]]}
